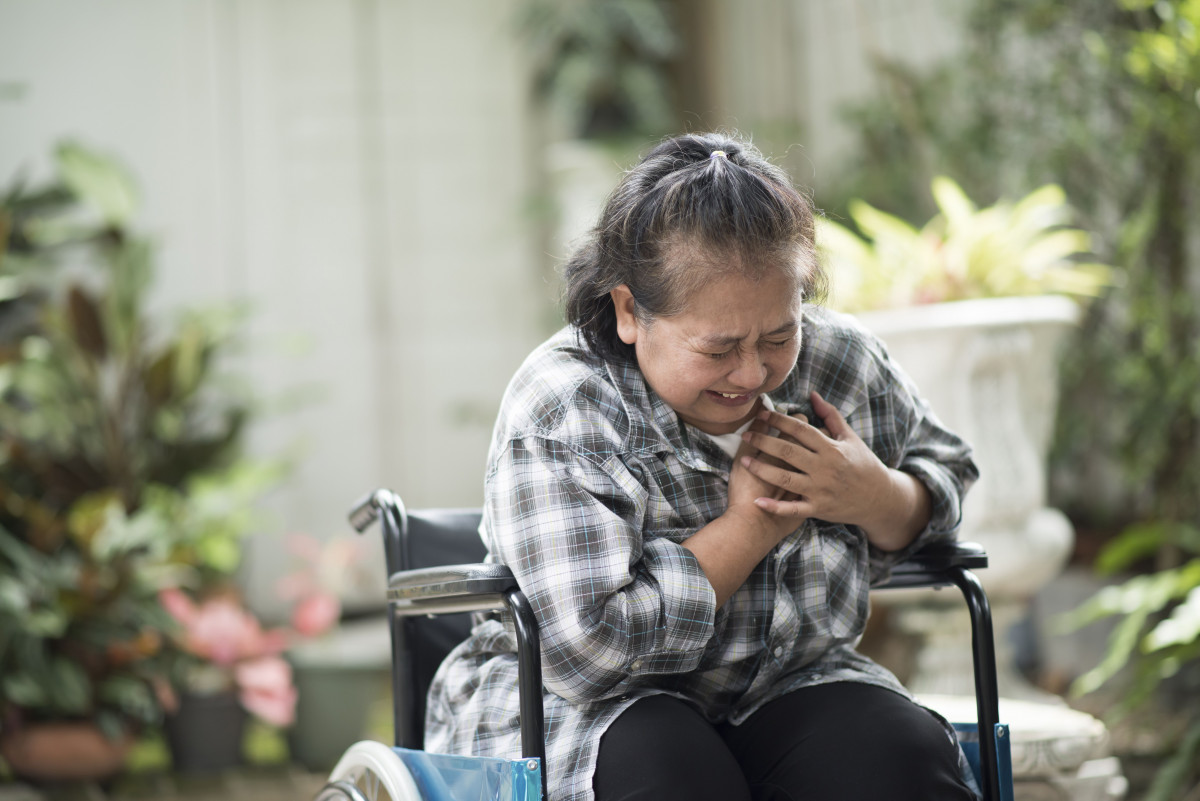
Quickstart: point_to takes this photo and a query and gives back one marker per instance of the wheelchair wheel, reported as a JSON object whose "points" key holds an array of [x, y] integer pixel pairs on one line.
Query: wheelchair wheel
{"points": [[370, 771]]}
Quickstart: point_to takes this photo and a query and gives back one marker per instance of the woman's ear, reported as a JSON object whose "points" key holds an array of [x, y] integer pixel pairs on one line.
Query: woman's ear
{"points": [[627, 324]]}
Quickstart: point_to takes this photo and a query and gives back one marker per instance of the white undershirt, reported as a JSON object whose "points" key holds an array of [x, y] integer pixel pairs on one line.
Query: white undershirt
{"points": [[732, 441]]}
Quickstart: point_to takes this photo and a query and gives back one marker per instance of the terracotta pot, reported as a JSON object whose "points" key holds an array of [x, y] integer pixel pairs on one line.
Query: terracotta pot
{"points": [[63, 752]]}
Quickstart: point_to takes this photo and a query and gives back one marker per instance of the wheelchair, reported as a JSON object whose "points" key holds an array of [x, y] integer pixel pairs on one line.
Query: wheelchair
{"points": [[436, 578]]}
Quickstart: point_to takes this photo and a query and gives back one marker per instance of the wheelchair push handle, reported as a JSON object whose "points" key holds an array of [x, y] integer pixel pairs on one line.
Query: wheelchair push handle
{"points": [[384, 505]]}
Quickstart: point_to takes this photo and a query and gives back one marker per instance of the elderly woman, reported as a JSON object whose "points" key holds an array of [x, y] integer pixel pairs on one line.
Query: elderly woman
{"points": [[695, 483]]}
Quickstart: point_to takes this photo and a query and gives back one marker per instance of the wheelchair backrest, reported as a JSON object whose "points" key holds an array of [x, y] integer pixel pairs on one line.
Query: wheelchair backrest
{"points": [[432, 537]]}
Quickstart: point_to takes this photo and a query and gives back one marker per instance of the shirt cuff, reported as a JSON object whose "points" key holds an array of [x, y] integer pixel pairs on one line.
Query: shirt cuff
{"points": [[944, 518]]}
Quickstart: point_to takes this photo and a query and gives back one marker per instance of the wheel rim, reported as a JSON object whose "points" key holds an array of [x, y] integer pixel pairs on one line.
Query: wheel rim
{"points": [[375, 772], [340, 791]]}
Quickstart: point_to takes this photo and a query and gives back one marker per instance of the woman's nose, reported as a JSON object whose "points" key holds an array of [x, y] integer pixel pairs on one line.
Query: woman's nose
{"points": [[750, 372]]}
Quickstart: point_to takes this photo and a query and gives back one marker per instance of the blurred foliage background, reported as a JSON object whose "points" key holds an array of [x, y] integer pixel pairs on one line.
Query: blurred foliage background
{"points": [[1101, 97], [326, 203], [122, 470]]}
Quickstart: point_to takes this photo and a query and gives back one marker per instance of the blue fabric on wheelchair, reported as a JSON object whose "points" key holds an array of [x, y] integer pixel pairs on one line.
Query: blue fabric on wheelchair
{"points": [[444, 777], [968, 739]]}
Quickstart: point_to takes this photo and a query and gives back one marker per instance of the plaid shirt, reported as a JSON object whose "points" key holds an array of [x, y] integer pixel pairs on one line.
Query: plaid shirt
{"points": [[592, 484]]}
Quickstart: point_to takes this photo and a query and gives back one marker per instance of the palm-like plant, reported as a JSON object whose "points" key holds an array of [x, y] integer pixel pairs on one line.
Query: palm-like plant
{"points": [[1007, 249]]}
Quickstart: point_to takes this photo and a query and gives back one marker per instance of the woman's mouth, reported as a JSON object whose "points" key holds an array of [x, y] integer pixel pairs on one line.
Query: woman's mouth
{"points": [[731, 399]]}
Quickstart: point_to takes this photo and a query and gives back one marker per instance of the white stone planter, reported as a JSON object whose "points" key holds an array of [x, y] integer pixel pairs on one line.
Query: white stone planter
{"points": [[989, 368]]}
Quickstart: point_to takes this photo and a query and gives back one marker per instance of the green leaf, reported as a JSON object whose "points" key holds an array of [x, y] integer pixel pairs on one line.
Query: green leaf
{"points": [[954, 203], [1134, 543], [110, 723], [1140, 594], [1054, 250], [122, 534], [879, 225], [86, 327], [98, 182], [1044, 207], [14, 597], [24, 690], [1180, 628], [1121, 645], [1141, 540], [130, 695], [46, 622], [72, 691], [10, 286]]}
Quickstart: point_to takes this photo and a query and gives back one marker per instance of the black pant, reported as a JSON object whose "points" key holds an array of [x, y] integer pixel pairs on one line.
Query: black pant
{"points": [[834, 742]]}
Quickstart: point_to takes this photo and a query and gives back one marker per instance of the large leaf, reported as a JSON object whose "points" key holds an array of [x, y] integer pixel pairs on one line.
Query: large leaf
{"points": [[879, 225], [1134, 602], [1141, 540], [86, 327], [952, 200], [1003, 250], [132, 696], [98, 182], [1180, 628]]}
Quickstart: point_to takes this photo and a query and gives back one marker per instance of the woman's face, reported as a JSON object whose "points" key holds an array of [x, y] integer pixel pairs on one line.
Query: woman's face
{"points": [[735, 339]]}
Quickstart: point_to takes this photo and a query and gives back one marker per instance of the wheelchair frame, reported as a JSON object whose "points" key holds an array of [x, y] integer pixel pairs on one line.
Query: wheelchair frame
{"points": [[446, 589]]}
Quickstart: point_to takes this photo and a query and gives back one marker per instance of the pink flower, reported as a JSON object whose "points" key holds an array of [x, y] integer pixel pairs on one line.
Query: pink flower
{"points": [[178, 605], [230, 639], [266, 689], [316, 614], [220, 630]]}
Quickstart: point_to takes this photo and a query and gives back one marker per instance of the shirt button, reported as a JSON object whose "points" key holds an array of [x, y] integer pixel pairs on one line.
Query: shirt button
{"points": [[778, 651], [637, 664]]}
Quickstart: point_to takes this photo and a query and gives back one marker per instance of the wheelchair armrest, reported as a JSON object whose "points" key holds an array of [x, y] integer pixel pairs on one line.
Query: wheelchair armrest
{"points": [[931, 566], [450, 588]]}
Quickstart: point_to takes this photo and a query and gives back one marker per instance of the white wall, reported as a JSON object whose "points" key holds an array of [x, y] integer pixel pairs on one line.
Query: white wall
{"points": [[358, 170], [784, 70]]}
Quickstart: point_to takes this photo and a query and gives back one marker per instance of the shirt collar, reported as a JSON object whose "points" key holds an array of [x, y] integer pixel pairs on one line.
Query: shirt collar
{"points": [[656, 427]]}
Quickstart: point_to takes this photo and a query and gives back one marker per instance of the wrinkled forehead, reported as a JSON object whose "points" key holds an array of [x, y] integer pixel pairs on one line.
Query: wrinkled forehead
{"points": [[690, 263]]}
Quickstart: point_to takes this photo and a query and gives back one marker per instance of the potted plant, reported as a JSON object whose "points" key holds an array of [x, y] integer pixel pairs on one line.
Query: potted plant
{"points": [[1006, 250], [974, 306], [120, 464], [230, 666]]}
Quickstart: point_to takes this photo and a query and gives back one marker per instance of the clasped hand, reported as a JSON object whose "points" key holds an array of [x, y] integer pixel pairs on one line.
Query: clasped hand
{"points": [[831, 475]]}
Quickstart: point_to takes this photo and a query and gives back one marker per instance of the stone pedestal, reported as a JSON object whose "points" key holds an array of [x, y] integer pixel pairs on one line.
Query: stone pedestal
{"points": [[1057, 753]]}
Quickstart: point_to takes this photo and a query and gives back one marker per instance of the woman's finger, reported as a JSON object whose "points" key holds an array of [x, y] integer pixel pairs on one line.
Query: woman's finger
{"points": [[786, 450], [786, 507], [802, 431], [788, 480]]}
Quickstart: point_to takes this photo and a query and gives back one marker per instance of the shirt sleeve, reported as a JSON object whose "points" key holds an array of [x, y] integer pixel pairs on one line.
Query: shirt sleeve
{"points": [[899, 426], [613, 600]]}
